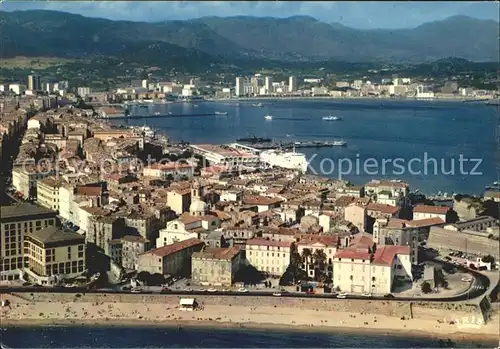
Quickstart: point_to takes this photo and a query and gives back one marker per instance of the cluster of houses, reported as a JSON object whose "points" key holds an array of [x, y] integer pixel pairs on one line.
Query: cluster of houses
{"points": [[164, 219]]}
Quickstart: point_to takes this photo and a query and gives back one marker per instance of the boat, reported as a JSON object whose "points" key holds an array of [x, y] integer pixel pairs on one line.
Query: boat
{"points": [[3, 346], [268, 117], [220, 113], [254, 140], [157, 113], [339, 143], [258, 105], [332, 118]]}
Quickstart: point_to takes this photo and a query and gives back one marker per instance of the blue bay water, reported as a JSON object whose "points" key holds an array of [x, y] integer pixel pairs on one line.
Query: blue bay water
{"points": [[150, 337], [376, 130]]}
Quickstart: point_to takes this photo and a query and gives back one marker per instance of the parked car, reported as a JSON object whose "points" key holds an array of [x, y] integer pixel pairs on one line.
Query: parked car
{"points": [[366, 294], [466, 279], [277, 294], [212, 290], [165, 290], [389, 295], [242, 290]]}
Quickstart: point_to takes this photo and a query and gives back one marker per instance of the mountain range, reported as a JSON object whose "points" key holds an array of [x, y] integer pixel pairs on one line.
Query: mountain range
{"points": [[215, 40]]}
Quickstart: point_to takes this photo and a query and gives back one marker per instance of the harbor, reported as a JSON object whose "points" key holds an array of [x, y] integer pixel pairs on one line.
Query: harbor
{"points": [[157, 116]]}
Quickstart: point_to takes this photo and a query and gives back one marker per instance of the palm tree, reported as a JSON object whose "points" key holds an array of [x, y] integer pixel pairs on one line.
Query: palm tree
{"points": [[306, 258], [319, 258]]}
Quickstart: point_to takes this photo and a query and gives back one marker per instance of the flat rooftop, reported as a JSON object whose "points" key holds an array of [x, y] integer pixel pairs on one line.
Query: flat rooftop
{"points": [[23, 210], [224, 151]]}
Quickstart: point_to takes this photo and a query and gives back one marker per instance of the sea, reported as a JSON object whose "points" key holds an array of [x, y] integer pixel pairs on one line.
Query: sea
{"points": [[448, 147], [150, 337]]}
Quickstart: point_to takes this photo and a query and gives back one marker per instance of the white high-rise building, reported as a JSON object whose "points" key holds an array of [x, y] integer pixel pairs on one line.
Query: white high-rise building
{"points": [[239, 90], [83, 91], [144, 83], [268, 84], [292, 84]]}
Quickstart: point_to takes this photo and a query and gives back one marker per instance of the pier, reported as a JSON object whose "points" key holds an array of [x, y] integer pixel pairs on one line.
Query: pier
{"points": [[299, 145], [132, 117]]}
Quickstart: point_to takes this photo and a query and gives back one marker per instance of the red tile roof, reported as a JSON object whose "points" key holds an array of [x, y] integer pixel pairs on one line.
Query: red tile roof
{"points": [[425, 222], [384, 254], [169, 166], [264, 242], [260, 200], [389, 184], [431, 209], [187, 218], [218, 253], [392, 210], [88, 190], [176, 247], [326, 240]]}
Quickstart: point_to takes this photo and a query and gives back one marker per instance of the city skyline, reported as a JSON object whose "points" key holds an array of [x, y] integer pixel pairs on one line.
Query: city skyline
{"points": [[368, 15]]}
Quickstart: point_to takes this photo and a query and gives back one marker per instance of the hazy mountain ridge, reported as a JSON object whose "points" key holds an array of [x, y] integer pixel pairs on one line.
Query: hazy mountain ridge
{"points": [[51, 33]]}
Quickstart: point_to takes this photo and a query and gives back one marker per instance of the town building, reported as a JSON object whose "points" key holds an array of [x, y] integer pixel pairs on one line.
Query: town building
{"points": [[16, 222], [272, 257], [54, 255], [292, 84], [398, 233], [215, 266], [368, 269], [425, 211], [174, 259], [126, 250], [226, 155], [169, 171], [357, 215], [47, 193], [326, 243]]}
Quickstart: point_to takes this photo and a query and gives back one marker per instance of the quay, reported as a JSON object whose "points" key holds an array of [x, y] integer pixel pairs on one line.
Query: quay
{"points": [[132, 117], [299, 145]]}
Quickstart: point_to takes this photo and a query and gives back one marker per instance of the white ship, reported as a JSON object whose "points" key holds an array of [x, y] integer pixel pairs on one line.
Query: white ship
{"points": [[221, 113], [258, 105], [268, 117], [148, 131], [339, 143], [288, 160], [332, 118]]}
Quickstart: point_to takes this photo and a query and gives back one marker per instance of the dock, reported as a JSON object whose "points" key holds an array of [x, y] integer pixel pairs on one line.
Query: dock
{"points": [[299, 145], [132, 117]]}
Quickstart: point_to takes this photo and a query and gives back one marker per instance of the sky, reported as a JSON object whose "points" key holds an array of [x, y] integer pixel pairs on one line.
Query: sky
{"points": [[362, 15]]}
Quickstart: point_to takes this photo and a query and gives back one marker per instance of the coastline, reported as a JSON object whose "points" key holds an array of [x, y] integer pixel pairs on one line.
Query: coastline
{"points": [[352, 98], [279, 316], [179, 325]]}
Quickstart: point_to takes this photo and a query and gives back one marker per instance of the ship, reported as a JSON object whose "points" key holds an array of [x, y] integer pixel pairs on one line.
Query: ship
{"points": [[284, 159], [332, 118], [258, 105], [254, 140], [220, 113], [268, 117], [148, 131]]}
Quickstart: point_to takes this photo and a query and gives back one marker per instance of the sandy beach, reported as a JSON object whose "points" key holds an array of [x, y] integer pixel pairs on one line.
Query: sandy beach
{"points": [[23, 312]]}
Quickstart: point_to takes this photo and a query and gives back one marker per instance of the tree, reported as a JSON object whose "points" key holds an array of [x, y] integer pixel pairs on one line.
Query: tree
{"points": [[488, 259], [426, 287], [143, 276], [306, 258], [319, 258]]}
